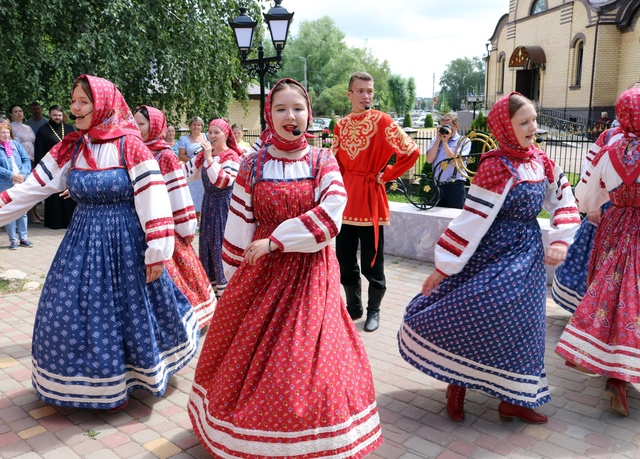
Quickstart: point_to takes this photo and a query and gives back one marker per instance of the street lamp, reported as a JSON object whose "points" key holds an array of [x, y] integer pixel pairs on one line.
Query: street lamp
{"points": [[278, 19]]}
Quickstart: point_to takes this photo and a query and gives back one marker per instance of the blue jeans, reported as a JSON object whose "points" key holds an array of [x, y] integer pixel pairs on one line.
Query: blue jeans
{"points": [[21, 224]]}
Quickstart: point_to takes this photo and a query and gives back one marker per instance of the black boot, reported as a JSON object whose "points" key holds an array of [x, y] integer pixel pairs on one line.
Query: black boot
{"points": [[373, 309], [354, 300]]}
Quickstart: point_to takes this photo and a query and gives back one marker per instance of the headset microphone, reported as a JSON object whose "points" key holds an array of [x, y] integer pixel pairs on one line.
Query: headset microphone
{"points": [[296, 132], [366, 107], [74, 117]]}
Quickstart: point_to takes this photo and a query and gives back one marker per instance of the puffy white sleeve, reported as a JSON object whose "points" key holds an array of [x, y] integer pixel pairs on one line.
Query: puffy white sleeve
{"points": [[241, 224]]}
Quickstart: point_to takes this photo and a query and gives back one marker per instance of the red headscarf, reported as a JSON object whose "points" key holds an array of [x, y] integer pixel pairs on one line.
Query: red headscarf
{"points": [[499, 121], [625, 152], [157, 129], [226, 128], [271, 136], [111, 119]]}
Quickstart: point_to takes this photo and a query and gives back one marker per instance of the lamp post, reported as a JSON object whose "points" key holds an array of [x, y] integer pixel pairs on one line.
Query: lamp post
{"points": [[305, 72], [278, 19]]}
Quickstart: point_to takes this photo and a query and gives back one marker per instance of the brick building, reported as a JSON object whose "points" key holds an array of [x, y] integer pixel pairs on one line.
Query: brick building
{"points": [[573, 57]]}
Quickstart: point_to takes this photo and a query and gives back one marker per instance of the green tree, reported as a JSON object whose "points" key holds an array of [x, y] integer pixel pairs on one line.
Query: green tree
{"points": [[179, 55], [461, 77], [406, 122], [398, 94], [411, 92], [428, 121], [333, 101]]}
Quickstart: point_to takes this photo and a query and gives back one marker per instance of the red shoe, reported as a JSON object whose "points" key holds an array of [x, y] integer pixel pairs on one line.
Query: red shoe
{"points": [[508, 411], [455, 402], [617, 390], [118, 408]]}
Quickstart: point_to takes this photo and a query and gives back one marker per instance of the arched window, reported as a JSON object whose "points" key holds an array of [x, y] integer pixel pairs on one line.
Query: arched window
{"points": [[500, 86], [539, 6], [578, 55]]}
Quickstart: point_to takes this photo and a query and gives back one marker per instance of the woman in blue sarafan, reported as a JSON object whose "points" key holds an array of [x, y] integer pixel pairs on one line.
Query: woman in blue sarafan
{"points": [[570, 279], [479, 322], [110, 319]]}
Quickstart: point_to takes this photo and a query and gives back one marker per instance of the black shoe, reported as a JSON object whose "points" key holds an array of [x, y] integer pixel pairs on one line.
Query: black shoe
{"points": [[355, 311], [373, 321], [25, 243]]}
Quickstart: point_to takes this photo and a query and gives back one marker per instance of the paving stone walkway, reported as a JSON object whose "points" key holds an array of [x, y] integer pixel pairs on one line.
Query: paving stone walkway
{"points": [[412, 405]]}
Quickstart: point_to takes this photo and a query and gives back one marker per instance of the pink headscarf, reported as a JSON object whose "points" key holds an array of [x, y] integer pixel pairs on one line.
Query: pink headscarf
{"points": [[269, 135], [624, 153], [157, 129], [8, 148], [111, 119], [226, 128], [499, 121]]}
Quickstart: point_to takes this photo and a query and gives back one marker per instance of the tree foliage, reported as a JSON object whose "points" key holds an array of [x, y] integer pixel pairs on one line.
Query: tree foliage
{"points": [[333, 101], [330, 62], [461, 77], [179, 55], [402, 93]]}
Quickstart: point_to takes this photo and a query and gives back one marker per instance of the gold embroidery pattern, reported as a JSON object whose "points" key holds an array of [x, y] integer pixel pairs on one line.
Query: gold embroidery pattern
{"points": [[358, 132], [399, 139]]}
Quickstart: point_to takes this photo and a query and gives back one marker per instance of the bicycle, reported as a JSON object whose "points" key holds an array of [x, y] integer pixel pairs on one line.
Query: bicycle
{"points": [[423, 192]]}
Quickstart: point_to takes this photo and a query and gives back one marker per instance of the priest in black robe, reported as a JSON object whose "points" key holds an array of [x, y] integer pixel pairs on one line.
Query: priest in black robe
{"points": [[57, 210]]}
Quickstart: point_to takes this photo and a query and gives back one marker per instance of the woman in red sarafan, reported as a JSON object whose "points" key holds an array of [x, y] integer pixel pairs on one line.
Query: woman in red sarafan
{"points": [[603, 336], [283, 372], [185, 268]]}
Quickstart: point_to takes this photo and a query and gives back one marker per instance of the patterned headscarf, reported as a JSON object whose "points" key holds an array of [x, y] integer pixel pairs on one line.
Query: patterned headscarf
{"points": [[111, 119], [499, 121], [625, 152], [226, 128], [157, 129], [271, 136]]}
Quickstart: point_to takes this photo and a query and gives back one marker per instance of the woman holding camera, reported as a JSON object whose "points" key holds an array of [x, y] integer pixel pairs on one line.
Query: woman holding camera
{"points": [[479, 322]]}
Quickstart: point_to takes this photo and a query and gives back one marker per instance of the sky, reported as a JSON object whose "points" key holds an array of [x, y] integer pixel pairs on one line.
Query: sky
{"points": [[418, 38]]}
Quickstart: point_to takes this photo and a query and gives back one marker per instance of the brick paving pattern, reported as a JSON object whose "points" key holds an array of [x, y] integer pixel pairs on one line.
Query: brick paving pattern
{"points": [[412, 405]]}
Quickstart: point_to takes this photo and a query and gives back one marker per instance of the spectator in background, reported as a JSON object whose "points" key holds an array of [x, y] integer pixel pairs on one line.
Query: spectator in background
{"points": [[58, 208], [36, 120], [26, 137], [15, 166], [238, 133], [443, 146], [188, 147], [170, 138]]}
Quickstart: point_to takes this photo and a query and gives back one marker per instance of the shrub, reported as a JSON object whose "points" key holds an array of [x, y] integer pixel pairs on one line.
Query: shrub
{"points": [[407, 121], [428, 121], [332, 124]]}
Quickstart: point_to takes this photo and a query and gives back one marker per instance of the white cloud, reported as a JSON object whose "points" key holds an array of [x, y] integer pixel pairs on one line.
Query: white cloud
{"points": [[417, 37]]}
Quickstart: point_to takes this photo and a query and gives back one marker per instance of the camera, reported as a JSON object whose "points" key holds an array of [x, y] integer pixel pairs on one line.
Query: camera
{"points": [[445, 130]]}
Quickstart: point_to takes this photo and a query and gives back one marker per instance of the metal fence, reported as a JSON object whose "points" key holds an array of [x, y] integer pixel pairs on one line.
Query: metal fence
{"points": [[566, 144]]}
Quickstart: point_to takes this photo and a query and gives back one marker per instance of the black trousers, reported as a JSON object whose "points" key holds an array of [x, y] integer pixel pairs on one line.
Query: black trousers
{"points": [[347, 241], [452, 195]]}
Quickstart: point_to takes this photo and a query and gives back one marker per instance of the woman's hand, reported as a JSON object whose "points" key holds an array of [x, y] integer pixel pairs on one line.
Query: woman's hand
{"points": [[153, 272], [208, 150], [556, 253], [594, 216], [189, 239], [256, 250], [65, 194], [18, 178], [432, 282]]}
